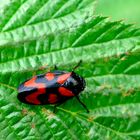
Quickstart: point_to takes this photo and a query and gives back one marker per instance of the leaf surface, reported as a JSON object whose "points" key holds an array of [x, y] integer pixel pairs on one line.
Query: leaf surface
{"points": [[67, 33]]}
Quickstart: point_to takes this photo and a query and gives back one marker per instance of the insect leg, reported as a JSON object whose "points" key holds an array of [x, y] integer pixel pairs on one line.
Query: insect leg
{"points": [[43, 67], [82, 104], [40, 69], [79, 63], [55, 67], [54, 109]]}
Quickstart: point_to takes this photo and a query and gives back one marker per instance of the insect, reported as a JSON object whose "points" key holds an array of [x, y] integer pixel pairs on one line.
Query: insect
{"points": [[52, 88]]}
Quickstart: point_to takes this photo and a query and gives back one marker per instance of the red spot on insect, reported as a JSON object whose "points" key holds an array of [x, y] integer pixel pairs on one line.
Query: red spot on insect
{"points": [[65, 92], [32, 98], [52, 98], [31, 82], [50, 76], [41, 89], [61, 79]]}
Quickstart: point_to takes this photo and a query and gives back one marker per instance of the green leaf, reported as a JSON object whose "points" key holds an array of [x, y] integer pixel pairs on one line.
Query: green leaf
{"points": [[34, 34], [127, 10]]}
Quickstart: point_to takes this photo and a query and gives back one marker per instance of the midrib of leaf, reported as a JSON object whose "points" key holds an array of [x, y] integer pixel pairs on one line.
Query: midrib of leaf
{"points": [[96, 124], [95, 52], [97, 21], [18, 46], [135, 37]]}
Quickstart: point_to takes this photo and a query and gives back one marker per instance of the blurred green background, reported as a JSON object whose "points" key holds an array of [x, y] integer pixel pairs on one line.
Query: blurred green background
{"points": [[128, 10]]}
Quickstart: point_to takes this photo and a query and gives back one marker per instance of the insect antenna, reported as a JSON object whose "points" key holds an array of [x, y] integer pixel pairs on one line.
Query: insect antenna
{"points": [[82, 104], [55, 67], [79, 63]]}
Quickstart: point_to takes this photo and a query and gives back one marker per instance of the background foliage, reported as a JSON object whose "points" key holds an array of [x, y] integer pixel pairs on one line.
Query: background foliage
{"points": [[34, 33], [127, 10]]}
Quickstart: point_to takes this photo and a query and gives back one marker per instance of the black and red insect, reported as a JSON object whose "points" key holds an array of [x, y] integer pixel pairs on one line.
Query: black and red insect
{"points": [[52, 88]]}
